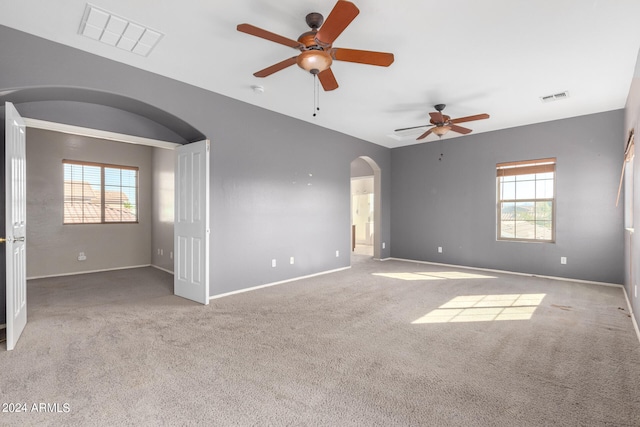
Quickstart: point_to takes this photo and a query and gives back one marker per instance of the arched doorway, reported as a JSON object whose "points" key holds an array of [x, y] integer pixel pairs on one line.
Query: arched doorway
{"points": [[104, 116], [366, 205]]}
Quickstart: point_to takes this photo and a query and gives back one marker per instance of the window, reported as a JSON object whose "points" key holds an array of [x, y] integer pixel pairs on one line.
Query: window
{"points": [[96, 193], [526, 200]]}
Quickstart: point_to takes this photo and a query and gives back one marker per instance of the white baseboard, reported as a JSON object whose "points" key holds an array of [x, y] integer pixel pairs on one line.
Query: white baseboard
{"points": [[88, 271], [277, 283], [567, 279], [162, 269]]}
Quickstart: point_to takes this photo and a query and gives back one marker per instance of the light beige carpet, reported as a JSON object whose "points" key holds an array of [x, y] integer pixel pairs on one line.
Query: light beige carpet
{"points": [[337, 350]]}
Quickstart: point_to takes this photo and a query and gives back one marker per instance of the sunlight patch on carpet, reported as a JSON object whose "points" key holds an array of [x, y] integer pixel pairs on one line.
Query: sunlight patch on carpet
{"points": [[433, 275], [484, 308]]}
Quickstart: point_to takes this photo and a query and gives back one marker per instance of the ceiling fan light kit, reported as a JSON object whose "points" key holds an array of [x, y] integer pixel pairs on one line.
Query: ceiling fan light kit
{"points": [[314, 61], [441, 130]]}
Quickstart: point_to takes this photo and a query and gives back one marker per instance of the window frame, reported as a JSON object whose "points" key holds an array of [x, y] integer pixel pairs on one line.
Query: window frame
{"points": [[525, 167], [102, 167]]}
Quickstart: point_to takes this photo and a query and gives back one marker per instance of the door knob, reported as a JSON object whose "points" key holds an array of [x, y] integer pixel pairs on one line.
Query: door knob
{"points": [[11, 240]]}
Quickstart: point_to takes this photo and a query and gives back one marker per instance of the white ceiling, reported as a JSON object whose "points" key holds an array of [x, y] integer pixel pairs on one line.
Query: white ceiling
{"points": [[497, 57]]}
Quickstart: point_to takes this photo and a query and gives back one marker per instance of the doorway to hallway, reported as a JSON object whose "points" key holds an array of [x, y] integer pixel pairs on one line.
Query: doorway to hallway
{"points": [[365, 207]]}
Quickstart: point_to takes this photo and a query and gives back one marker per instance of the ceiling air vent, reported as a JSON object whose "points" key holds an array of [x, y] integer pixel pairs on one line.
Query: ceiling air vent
{"points": [[555, 96], [98, 24]]}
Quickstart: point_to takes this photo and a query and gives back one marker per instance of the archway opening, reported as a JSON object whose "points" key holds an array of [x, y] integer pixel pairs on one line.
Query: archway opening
{"points": [[365, 207], [89, 114]]}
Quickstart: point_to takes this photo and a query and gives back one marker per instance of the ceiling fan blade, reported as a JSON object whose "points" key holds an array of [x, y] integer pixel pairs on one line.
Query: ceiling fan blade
{"points": [[381, 59], [267, 35], [276, 67], [414, 127], [436, 117], [328, 80], [340, 17], [470, 118], [460, 129], [424, 135]]}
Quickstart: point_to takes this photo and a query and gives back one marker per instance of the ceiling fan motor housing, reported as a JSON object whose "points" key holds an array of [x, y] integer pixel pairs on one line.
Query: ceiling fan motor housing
{"points": [[445, 121], [313, 58]]}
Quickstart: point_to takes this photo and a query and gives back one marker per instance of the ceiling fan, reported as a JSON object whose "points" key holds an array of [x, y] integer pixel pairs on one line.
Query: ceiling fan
{"points": [[441, 123], [316, 51]]}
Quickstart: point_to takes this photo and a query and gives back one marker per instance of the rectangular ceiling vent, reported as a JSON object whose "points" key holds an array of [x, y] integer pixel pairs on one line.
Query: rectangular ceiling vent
{"points": [[555, 96], [98, 24]]}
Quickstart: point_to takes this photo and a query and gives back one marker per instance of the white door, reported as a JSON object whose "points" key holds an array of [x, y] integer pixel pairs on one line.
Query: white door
{"points": [[191, 222], [16, 224]]}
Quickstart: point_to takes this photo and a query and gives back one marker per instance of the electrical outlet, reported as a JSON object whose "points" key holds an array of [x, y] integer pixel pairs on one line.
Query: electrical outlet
{"points": [[383, 245], [161, 251], [158, 251], [563, 260], [337, 254], [273, 262], [82, 256], [291, 260], [439, 249]]}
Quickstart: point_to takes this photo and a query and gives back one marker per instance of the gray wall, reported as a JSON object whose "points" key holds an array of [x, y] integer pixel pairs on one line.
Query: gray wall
{"points": [[52, 247], [163, 167], [452, 202], [262, 206], [359, 167], [632, 240], [285, 195]]}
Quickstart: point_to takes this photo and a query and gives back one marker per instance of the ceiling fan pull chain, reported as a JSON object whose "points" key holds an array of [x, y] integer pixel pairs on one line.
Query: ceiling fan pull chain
{"points": [[316, 95]]}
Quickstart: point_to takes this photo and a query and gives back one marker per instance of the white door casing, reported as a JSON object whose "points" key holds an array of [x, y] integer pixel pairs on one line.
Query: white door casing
{"points": [[16, 224], [191, 222]]}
